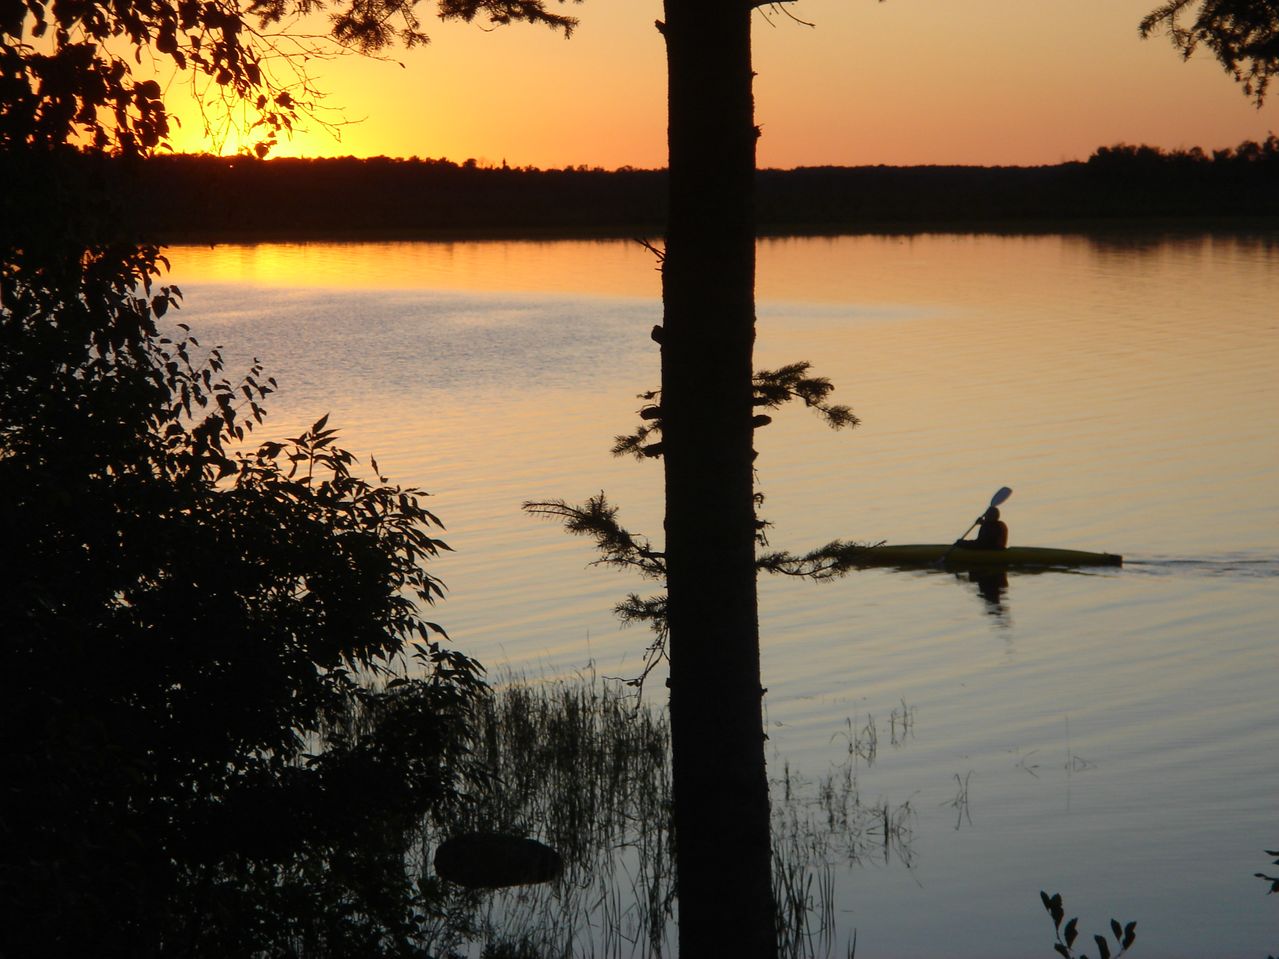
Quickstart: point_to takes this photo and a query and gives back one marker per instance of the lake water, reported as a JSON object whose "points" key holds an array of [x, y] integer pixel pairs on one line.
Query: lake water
{"points": [[1110, 735]]}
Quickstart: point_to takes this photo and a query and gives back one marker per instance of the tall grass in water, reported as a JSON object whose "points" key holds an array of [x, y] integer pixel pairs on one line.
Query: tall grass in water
{"points": [[823, 825], [580, 766]]}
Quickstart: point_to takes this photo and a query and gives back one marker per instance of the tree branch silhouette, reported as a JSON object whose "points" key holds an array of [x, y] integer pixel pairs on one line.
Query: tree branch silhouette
{"points": [[1242, 34], [772, 390]]}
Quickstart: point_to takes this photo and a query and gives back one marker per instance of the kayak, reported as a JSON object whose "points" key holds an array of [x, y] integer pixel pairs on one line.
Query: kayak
{"points": [[962, 558]]}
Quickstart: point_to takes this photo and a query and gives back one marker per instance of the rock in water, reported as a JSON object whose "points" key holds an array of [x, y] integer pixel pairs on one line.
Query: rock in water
{"points": [[493, 860]]}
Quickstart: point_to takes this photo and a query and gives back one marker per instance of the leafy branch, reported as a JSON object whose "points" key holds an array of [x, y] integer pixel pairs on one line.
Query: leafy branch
{"points": [[1273, 880], [77, 81], [1124, 935]]}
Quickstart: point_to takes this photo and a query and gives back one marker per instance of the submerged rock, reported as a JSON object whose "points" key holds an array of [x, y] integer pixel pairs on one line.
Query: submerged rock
{"points": [[493, 860]]}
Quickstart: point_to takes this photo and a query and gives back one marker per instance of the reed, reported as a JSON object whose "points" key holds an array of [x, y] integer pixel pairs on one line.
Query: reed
{"points": [[584, 767], [579, 765], [960, 802]]}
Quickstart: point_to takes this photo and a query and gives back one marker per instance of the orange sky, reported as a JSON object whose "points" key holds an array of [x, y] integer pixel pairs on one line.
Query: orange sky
{"points": [[900, 82]]}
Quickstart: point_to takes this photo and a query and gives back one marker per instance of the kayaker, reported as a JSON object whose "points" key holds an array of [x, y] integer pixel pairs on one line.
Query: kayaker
{"points": [[993, 533]]}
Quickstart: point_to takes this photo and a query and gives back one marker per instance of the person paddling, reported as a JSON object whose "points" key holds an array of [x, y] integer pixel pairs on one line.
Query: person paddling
{"points": [[992, 535]]}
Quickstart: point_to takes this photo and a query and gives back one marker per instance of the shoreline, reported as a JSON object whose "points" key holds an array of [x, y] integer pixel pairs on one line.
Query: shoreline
{"points": [[1098, 227]]}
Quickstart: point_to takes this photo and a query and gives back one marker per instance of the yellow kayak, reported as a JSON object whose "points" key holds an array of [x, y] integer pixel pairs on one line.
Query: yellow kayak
{"points": [[966, 558]]}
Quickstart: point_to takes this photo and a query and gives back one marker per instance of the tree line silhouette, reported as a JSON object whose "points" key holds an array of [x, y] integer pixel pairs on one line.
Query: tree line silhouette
{"points": [[201, 197]]}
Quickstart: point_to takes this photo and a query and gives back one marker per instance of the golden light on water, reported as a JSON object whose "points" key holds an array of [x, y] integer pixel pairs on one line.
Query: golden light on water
{"points": [[1028, 347], [559, 266]]}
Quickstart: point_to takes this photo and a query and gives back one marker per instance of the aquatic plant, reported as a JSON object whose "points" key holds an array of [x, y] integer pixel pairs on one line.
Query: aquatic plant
{"points": [[582, 765], [1273, 880], [1066, 935]]}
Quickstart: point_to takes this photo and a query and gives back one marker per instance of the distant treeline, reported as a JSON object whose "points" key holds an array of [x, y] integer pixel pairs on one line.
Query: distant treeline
{"points": [[205, 197]]}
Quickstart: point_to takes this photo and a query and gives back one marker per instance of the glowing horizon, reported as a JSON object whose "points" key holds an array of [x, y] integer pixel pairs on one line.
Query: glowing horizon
{"points": [[987, 82]]}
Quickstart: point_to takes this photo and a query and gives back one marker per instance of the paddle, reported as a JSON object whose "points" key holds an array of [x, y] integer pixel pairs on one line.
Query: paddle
{"points": [[1000, 496]]}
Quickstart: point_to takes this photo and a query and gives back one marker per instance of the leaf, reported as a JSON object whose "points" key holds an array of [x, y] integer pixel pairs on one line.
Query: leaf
{"points": [[1062, 950], [1102, 947], [1070, 932], [1056, 909], [1117, 931], [1130, 933]]}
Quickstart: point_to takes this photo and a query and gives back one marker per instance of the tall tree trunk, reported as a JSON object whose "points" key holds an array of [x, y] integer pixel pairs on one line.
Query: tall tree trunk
{"points": [[708, 292]]}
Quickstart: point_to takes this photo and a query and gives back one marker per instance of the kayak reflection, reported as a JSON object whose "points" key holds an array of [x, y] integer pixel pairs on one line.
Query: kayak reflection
{"points": [[992, 586]]}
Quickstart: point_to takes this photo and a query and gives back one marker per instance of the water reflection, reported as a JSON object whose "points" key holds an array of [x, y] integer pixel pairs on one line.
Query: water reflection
{"points": [[585, 768], [1127, 243], [992, 587], [581, 267]]}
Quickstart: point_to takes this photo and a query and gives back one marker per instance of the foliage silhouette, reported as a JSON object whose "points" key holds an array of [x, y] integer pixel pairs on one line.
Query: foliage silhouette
{"points": [[622, 549], [1273, 880], [183, 615], [1242, 34], [1124, 935], [188, 614], [68, 67], [207, 198], [772, 388]]}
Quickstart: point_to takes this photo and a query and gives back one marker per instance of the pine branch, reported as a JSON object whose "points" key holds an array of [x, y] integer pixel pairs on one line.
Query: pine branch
{"points": [[773, 388], [634, 444], [502, 12], [1243, 36], [652, 613], [836, 558], [620, 548], [598, 519]]}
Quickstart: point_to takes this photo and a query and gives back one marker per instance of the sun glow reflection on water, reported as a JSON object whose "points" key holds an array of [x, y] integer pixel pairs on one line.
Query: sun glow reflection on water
{"points": [[1118, 729]]}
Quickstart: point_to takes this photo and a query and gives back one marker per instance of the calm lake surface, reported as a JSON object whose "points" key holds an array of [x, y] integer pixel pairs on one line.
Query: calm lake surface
{"points": [[1111, 735]]}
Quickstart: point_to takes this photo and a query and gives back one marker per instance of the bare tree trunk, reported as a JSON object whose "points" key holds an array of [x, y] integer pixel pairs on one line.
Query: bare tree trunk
{"points": [[708, 292]]}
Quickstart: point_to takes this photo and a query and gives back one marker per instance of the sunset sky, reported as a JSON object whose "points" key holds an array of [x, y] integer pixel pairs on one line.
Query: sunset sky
{"points": [[901, 82]]}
